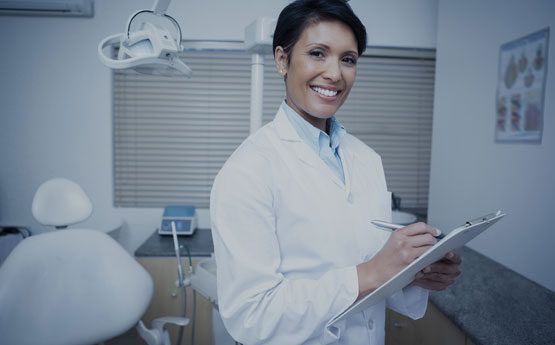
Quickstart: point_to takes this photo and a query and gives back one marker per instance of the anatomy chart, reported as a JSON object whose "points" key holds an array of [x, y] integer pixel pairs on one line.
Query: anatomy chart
{"points": [[521, 89]]}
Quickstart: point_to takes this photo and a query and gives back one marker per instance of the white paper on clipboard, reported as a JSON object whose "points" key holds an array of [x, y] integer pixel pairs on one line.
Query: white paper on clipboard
{"points": [[455, 239]]}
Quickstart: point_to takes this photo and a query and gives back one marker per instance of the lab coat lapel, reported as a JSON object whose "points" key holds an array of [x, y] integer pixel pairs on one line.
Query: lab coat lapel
{"points": [[289, 136], [347, 160]]}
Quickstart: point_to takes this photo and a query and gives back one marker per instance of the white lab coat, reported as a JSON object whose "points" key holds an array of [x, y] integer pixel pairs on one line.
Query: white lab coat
{"points": [[288, 235]]}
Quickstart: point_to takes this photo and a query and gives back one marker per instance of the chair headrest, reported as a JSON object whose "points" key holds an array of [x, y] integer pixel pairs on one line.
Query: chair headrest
{"points": [[61, 202]]}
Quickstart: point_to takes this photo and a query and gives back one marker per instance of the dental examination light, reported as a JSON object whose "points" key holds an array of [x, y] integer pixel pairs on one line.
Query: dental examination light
{"points": [[150, 50]]}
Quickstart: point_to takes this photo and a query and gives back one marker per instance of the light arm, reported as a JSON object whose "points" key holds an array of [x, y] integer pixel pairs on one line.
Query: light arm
{"points": [[160, 7]]}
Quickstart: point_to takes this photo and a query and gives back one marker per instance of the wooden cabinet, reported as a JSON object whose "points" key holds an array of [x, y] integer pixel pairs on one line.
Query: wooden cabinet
{"points": [[433, 329], [167, 301]]}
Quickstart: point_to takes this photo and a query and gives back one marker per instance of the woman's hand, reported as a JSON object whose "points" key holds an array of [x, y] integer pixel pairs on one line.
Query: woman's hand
{"points": [[403, 246], [441, 274]]}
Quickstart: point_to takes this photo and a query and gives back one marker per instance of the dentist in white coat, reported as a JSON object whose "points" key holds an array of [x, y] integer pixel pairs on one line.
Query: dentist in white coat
{"points": [[291, 208]]}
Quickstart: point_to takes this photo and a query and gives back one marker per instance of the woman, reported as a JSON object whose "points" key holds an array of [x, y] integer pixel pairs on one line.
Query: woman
{"points": [[291, 208]]}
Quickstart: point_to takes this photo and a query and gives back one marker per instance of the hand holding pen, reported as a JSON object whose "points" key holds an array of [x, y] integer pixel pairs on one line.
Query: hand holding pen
{"points": [[403, 246], [438, 275]]}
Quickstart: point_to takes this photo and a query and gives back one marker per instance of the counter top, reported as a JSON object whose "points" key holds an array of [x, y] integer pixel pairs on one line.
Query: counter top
{"points": [[494, 305], [490, 303], [200, 244]]}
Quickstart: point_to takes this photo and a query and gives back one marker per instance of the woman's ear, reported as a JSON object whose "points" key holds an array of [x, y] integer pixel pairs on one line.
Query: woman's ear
{"points": [[280, 60]]}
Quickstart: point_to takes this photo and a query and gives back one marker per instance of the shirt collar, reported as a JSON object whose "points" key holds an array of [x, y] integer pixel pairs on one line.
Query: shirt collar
{"points": [[337, 132]]}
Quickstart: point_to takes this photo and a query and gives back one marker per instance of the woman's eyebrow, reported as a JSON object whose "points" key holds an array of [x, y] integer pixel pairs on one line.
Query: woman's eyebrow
{"points": [[326, 47]]}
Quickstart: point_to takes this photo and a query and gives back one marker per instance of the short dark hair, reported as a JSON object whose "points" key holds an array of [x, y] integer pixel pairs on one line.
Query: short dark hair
{"points": [[300, 14]]}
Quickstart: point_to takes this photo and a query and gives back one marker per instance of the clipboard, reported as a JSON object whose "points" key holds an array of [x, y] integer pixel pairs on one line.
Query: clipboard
{"points": [[455, 239]]}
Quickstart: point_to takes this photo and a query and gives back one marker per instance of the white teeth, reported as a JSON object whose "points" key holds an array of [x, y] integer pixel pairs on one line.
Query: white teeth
{"points": [[324, 92]]}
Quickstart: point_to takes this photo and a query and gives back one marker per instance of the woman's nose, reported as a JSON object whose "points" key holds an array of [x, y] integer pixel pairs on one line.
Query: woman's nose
{"points": [[332, 72]]}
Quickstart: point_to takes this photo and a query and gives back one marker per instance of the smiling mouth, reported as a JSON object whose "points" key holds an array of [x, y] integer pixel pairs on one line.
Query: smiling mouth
{"points": [[325, 92]]}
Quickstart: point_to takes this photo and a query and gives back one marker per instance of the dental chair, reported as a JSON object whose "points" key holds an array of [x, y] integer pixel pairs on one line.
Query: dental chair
{"points": [[73, 286]]}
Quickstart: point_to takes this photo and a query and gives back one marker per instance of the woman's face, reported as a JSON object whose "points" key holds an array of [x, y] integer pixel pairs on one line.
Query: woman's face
{"points": [[321, 71]]}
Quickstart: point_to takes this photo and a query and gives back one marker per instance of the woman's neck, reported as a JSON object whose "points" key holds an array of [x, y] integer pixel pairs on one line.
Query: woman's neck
{"points": [[320, 123]]}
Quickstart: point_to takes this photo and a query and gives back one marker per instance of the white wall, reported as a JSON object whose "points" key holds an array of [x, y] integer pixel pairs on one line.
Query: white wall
{"points": [[55, 95], [470, 173]]}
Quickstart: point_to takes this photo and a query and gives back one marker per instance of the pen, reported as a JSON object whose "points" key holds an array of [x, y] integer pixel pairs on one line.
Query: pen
{"points": [[386, 226], [392, 227]]}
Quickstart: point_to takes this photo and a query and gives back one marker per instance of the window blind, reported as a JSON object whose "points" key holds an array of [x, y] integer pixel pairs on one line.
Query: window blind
{"points": [[172, 135]]}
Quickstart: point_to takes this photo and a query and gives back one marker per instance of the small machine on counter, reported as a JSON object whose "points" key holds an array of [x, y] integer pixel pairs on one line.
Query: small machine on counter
{"points": [[185, 218]]}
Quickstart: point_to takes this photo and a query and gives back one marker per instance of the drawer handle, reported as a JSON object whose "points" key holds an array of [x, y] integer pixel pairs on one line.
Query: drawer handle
{"points": [[399, 324]]}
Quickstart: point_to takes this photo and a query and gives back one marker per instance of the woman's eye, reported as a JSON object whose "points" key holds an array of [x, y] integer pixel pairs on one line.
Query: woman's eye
{"points": [[316, 53], [350, 60]]}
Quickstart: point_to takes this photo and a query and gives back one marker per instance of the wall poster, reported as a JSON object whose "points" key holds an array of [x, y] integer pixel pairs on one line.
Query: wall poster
{"points": [[521, 89]]}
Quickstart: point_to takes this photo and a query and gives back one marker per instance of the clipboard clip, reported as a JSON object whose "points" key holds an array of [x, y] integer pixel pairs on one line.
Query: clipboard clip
{"points": [[487, 219]]}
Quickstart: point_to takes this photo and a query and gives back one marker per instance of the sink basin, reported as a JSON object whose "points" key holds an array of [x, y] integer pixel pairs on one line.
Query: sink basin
{"points": [[402, 218], [204, 279]]}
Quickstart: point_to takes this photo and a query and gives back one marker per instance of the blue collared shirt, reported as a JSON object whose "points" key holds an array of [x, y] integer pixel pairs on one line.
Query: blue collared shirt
{"points": [[326, 146]]}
